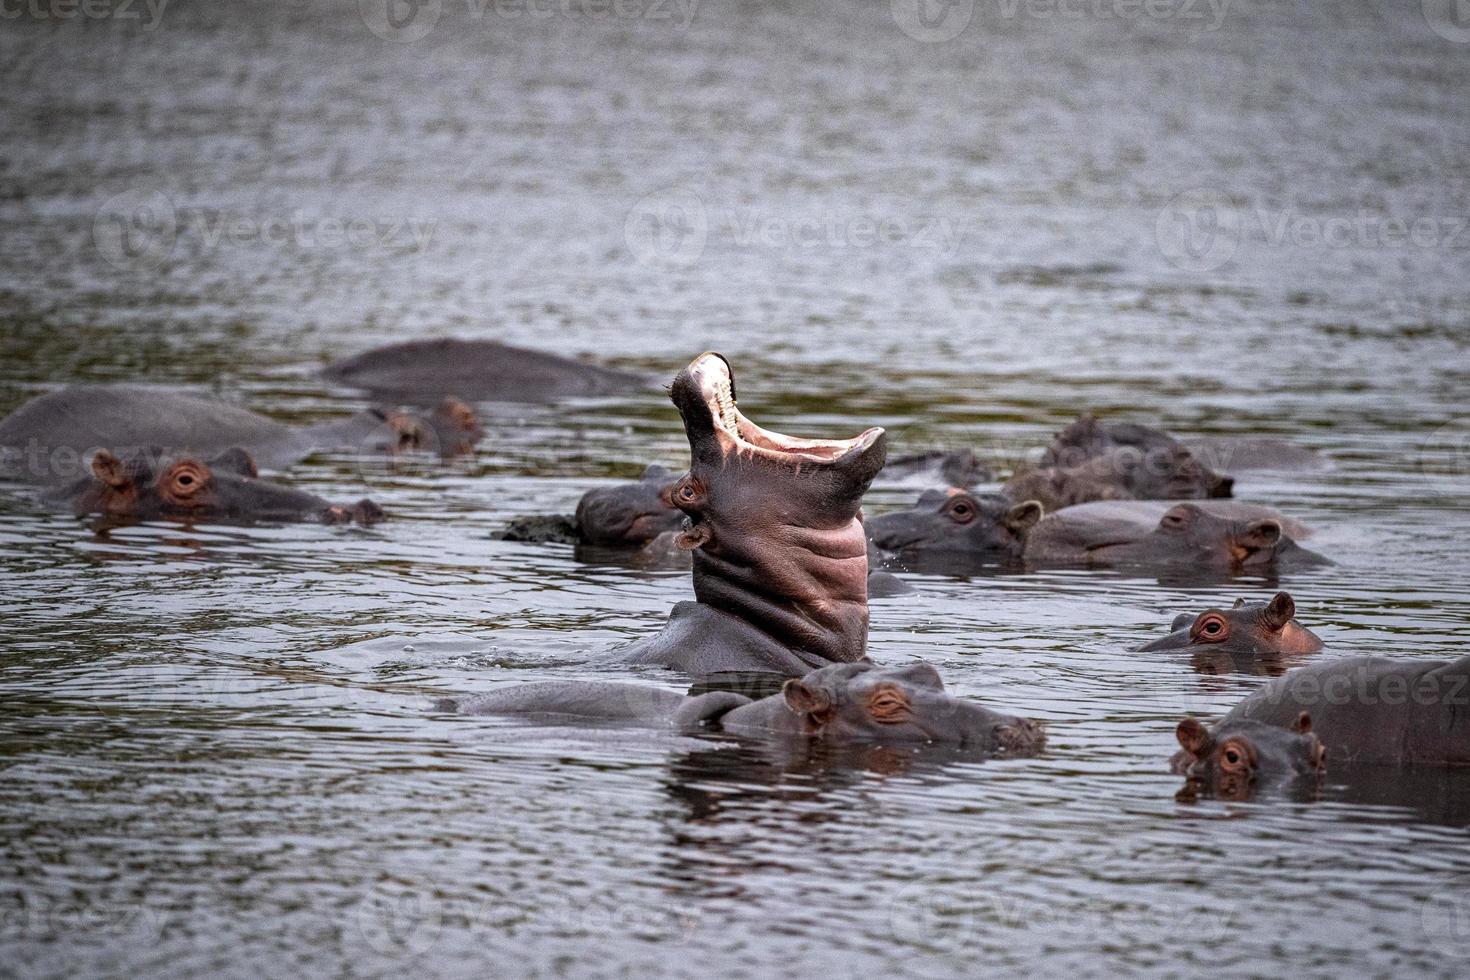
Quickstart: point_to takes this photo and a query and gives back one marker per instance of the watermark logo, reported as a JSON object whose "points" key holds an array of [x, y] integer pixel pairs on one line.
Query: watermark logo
{"points": [[1445, 919], [933, 21], [1444, 458], [401, 917], [149, 12], [135, 231], [1450, 19], [404, 21], [1198, 230], [667, 228]]}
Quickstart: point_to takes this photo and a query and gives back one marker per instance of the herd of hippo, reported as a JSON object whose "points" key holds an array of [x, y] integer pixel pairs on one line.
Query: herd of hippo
{"points": [[783, 560]]}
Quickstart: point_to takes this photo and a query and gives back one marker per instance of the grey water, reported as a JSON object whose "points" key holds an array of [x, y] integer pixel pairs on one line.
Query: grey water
{"points": [[966, 223]]}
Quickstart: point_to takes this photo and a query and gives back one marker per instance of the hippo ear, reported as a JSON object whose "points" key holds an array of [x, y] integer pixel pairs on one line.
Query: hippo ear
{"points": [[1280, 611], [1238, 603], [1180, 621], [1303, 724], [811, 703], [110, 470], [1024, 515], [234, 460], [1193, 737], [694, 536], [1260, 535]]}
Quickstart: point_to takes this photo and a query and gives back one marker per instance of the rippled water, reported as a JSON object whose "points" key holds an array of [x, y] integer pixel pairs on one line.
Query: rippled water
{"points": [[216, 751]]}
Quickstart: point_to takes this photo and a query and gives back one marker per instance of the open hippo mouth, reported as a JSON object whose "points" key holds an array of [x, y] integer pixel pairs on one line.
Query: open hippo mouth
{"points": [[705, 394]]}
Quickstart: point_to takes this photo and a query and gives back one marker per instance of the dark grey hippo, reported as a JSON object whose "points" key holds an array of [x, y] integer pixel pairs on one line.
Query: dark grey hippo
{"points": [[986, 526], [1235, 454], [423, 371], [629, 514], [1373, 710], [144, 485], [1189, 535], [45, 440], [839, 702], [1092, 460], [1240, 757], [955, 468], [780, 558], [1246, 628]]}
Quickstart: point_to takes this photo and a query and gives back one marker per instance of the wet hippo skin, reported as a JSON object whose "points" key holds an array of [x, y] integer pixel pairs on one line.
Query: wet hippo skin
{"points": [[423, 371], [1239, 757], [780, 557], [856, 701], [1374, 710], [81, 418], [1247, 628], [146, 485]]}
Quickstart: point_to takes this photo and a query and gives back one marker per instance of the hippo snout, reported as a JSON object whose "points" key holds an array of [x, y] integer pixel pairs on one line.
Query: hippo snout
{"points": [[364, 512]]}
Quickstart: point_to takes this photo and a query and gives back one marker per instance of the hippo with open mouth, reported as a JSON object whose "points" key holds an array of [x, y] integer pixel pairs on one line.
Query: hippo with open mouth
{"points": [[839, 702], [149, 484], [44, 440], [780, 560], [1247, 628]]}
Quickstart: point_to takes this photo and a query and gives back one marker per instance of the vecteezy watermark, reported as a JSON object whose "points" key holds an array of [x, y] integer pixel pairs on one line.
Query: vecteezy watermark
{"points": [[1202, 229], [413, 20], [27, 918], [1208, 14], [674, 227], [1444, 458], [667, 228], [1198, 230], [1450, 19], [408, 917], [149, 12], [933, 21], [136, 231], [1445, 918]]}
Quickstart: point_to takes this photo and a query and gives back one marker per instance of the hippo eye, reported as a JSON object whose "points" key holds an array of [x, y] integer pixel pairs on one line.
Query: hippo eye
{"points": [[185, 480], [962, 511], [688, 492], [889, 704], [1212, 629], [1234, 757]]}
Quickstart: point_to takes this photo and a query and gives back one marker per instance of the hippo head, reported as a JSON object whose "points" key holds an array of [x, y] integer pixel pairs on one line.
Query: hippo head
{"points": [[1238, 757], [1057, 487], [1188, 533], [1148, 462], [774, 520], [155, 484], [902, 704], [451, 429], [957, 520], [630, 513], [1245, 628]]}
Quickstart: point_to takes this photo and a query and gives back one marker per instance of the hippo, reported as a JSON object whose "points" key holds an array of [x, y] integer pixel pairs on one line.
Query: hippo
{"points": [[628, 514], [1186, 534], [1250, 629], [840, 702], [982, 525], [947, 527], [1240, 757], [959, 468], [45, 439], [147, 484], [1373, 710], [1090, 460], [1233, 454], [423, 371], [780, 560]]}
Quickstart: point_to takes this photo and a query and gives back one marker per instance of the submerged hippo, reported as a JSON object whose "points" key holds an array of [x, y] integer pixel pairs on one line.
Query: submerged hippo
{"points": [[1090, 460], [780, 558], [423, 371], [1232, 454], [958, 468], [1373, 710], [1186, 534], [1240, 757], [1253, 628], [146, 485], [852, 701], [45, 439], [982, 525], [629, 514]]}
